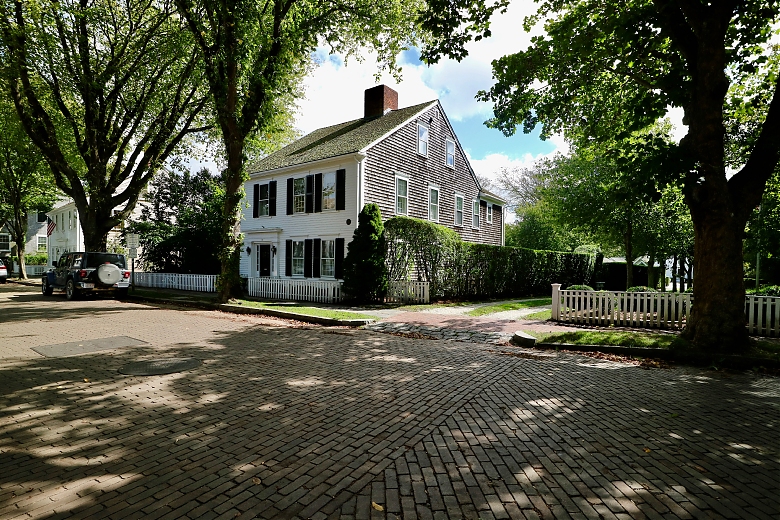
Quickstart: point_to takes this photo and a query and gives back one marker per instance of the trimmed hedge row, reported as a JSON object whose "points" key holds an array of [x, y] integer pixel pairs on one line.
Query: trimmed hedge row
{"points": [[418, 249]]}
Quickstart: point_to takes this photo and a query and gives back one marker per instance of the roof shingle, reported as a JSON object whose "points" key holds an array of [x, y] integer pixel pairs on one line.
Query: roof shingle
{"points": [[341, 139]]}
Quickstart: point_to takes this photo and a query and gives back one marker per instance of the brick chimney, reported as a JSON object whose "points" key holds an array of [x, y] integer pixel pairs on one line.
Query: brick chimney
{"points": [[379, 100]]}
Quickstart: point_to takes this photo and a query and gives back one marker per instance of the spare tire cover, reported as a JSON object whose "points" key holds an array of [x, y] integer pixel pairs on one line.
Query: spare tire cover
{"points": [[109, 274]]}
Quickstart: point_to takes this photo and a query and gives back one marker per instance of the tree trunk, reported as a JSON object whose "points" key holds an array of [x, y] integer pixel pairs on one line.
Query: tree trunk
{"points": [[717, 321], [674, 274], [230, 256], [681, 273], [19, 238], [651, 281]]}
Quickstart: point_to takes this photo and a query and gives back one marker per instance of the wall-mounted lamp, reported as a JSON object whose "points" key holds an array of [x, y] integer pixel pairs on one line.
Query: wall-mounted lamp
{"points": [[273, 250], [349, 221], [249, 250]]}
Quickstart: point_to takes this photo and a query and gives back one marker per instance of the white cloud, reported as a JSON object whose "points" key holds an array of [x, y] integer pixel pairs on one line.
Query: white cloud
{"points": [[334, 93]]}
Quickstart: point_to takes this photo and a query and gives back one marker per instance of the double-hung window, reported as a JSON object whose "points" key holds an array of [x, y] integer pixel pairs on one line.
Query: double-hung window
{"points": [[475, 214], [299, 198], [262, 201], [41, 217], [43, 244], [328, 258], [298, 251], [433, 204], [450, 153], [5, 242], [401, 196], [422, 139], [458, 210], [489, 214], [329, 190]]}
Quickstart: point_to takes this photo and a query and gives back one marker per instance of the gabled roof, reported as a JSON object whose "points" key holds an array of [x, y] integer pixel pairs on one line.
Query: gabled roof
{"points": [[332, 141]]}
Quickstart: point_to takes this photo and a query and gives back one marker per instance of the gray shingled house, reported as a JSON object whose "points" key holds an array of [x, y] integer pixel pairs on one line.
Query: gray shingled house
{"points": [[304, 199]]}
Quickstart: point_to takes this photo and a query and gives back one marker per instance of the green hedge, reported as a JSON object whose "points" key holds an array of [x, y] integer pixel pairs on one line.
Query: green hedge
{"points": [[418, 249]]}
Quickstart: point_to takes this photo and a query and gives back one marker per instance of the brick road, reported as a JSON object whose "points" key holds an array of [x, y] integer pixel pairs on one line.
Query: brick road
{"points": [[306, 422]]}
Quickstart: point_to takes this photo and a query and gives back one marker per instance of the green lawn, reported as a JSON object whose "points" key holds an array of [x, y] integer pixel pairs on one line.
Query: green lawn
{"points": [[509, 306], [309, 311], [541, 315]]}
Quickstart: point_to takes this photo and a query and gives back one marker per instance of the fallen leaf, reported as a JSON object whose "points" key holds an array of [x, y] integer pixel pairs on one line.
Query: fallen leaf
{"points": [[647, 450], [377, 506], [86, 380], [256, 480]]}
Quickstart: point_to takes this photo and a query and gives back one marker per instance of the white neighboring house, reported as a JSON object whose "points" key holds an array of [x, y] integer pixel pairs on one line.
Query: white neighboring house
{"points": [[67, 236], [37, 241]]}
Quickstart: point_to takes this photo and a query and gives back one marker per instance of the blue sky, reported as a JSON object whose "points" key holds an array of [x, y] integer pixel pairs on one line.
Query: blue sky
{"points": [[334, 93]]}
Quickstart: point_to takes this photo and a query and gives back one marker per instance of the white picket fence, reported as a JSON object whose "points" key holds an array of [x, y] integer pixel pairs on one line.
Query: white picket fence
{"points": [[330, 291], [182, 282], [408, 292], [33, 271], [653, 310], [303, 290]]}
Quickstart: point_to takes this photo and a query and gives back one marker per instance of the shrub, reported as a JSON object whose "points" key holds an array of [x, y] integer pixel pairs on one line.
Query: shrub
{"points": [[641, 288], [365, 273], [36, 259], [579, 288], [768, 290], [456, 269]]}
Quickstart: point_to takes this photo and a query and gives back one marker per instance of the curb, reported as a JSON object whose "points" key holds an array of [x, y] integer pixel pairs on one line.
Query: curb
{"points": [[239, 309], [690, 358]]}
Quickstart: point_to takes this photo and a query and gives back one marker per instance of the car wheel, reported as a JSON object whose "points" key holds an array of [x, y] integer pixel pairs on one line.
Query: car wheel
{"points": [[46, 289], [70, 290]]}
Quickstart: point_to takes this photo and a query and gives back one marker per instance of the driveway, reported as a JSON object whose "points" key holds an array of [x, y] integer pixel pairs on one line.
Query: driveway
{"points": [[282, 421]]}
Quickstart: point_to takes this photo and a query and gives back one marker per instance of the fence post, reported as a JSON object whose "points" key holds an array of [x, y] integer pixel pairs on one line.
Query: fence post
{"points": [[556, 301]]}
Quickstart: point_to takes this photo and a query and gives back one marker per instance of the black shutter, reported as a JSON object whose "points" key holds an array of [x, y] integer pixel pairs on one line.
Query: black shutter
{"points": [[339, 258], [310, 194], [272, 198], [318, 193], [316, 254], [256, 202], [289, 196], [341, 183], [288, 258], [307, 258]]}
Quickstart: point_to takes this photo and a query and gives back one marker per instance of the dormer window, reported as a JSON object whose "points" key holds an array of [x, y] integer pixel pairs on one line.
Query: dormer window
{"points": [[450, 153], [422, 139]]}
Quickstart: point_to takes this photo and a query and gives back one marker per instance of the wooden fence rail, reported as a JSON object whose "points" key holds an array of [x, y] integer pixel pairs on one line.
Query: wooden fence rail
{"points": [[652, 310]]}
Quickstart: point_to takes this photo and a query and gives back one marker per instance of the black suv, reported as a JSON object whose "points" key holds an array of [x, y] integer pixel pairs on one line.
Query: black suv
{"points": [[90, 272]]}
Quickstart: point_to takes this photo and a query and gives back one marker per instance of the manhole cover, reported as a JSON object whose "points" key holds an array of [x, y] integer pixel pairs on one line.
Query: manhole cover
{"points": [[157, 367]]}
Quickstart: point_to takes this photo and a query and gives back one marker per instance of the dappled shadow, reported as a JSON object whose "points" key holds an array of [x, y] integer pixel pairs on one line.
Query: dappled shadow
{"points": [[279, 422]]}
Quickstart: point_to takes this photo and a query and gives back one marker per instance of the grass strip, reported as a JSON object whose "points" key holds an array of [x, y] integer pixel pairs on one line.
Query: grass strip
{"points": [[509, 306]]}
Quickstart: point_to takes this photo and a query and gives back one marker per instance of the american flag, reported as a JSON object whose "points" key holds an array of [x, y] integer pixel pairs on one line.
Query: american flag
{"points": [[50, 227]]}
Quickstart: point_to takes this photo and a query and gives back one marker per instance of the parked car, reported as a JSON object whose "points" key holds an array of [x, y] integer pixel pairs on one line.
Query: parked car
{"points": [[87, 272], [3, 272]]}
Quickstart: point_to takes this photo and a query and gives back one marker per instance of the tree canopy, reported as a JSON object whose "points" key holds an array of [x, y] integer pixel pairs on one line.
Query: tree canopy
{"points": [[106, 90], [605, 69]]}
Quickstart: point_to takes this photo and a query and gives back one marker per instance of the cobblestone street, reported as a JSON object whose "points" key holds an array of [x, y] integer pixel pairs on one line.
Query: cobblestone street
{"points": [[290, 421]]}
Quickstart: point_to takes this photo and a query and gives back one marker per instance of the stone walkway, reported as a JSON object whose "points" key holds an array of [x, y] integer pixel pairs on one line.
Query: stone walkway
{"points": [[309, 422]]}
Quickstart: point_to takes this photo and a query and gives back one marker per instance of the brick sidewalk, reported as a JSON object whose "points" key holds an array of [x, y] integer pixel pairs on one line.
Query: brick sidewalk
{"points": [[307, 422]]}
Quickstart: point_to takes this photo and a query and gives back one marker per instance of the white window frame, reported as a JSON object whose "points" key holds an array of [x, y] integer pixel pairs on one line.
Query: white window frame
{"points": [[489, 214], [298, 260], [7, 236], [327, 260], [448, 155], [399, 197], [299, 196], [431, 205], [45, 243], [458, 198], [264, 203], [423, 142], [328, 198], [475, 214]]}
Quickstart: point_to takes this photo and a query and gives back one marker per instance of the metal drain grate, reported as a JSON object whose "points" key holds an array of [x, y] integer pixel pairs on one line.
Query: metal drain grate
{"points": [[157, 367]]}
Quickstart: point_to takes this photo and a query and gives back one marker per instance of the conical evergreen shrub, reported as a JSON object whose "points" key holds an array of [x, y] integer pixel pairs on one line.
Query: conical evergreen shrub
{"points": [[365, 273]]}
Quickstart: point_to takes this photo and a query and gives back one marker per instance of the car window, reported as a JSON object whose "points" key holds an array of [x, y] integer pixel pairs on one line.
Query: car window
{"points": [[77, 261], [64, 261], [94, 260]]}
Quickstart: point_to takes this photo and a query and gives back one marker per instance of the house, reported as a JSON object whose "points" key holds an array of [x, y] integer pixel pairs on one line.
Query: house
{"points": [[66, 234], [304, 199], [36, 240]]}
